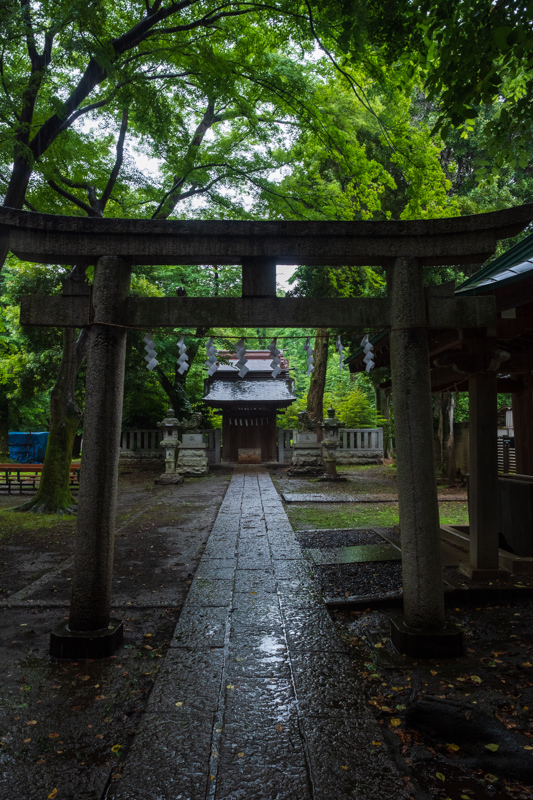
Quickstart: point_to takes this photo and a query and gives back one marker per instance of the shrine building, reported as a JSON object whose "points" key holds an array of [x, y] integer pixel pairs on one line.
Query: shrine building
{"points": [[249, 405]]}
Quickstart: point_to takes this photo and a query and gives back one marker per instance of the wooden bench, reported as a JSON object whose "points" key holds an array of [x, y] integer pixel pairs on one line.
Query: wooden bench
{"points": [[18, 478]]}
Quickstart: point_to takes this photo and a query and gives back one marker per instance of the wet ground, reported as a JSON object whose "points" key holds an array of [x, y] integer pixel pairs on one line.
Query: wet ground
{"points": [[234, 681]]}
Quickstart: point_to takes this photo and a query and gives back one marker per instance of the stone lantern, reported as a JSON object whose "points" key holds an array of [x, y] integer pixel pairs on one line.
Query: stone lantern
{"points": [[169, 429], [330, 442]]}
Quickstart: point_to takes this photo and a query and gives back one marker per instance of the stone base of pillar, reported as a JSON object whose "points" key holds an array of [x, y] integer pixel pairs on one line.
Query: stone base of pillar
{"points": [[444, 643], [476, 574], [65, 643], [169, 478], [332, 479]]}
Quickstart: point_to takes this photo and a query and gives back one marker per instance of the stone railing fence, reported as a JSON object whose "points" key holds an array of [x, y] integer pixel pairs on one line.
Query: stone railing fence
{"points": [[140, 445], [355, 445]]}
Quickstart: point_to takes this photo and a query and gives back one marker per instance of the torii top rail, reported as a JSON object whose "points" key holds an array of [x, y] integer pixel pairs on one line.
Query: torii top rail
{"points": [[258, 246], [403, 248]]}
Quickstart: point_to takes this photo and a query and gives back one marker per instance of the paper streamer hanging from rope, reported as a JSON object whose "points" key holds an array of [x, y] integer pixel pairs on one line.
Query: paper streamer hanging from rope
{"points": [[150, 358], [183, 359], [340, 348], [275, 363], [212, 363], [369, 352], [310, 356], [240, 349]]}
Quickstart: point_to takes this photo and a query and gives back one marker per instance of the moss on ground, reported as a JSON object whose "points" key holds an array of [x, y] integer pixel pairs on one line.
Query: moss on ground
{"points": [[366, 515], [14, 523]]}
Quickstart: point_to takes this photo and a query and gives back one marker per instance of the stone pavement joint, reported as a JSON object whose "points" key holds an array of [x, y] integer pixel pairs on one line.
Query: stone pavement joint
{"points": [[257, 698]]}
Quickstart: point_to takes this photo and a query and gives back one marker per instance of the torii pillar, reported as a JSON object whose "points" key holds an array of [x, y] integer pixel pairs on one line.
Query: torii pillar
{"points": [[90, 632], [422, 632]]}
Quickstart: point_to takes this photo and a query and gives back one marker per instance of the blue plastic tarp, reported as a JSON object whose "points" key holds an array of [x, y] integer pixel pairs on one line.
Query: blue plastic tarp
{"points": [[28, 448]]}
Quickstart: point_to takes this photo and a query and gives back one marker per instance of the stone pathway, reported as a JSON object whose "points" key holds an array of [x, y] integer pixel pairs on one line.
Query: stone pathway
{"points": [[257, 698]]}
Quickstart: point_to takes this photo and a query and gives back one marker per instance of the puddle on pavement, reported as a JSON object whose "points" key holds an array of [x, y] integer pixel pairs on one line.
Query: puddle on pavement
{"points": [[271, 645], [354, 555]]}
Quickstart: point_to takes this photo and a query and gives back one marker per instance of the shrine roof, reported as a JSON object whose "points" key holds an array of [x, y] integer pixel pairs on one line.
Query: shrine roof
{"points": [[511, 266], [267, 390], [256, 361]]}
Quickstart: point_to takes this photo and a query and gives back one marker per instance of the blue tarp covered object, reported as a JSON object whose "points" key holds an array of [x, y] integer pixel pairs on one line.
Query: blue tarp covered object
{"points": [[28, 448]]}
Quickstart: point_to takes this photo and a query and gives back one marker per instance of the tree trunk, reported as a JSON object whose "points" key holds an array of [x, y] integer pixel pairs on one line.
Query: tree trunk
{"points": [[383, 398], [54, 495], [445, 402], [4, 428], [315, 396], [176, 391]]}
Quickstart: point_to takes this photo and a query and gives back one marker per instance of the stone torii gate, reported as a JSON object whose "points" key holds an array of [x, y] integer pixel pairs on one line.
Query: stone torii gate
{"points": [[408, 311]]}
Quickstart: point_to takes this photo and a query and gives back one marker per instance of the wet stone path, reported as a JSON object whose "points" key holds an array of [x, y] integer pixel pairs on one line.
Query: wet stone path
{"points": [[257, 698]]}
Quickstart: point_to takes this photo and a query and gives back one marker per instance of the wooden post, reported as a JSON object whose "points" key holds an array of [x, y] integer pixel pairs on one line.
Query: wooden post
{"points": [[483, 480], [523, 425], [90, 633], [422, 630]]}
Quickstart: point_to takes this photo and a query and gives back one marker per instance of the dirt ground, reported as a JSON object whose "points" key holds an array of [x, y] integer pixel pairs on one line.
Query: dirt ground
{"points": [[66, 727]]}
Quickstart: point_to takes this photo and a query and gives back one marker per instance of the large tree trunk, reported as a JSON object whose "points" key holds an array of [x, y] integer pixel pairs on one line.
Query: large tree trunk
{"points": [[4, 427], [445, 402], [383, 398], [315, 396], [54, 495]]}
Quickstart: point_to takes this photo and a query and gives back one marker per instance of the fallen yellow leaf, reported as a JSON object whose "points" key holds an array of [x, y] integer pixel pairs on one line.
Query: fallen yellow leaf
{"points": [[453, 747], [240, 755], [32, 722], [53, 735], [179, 704], [395, 722], [376, 743], [440, 776], [52, 794], [116, 748], [492, 747], [343, 767], [230, 686], [475, 678]]}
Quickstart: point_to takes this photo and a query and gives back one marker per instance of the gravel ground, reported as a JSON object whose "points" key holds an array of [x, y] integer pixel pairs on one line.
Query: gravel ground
{"points": [[364, 580], [345, 537]]}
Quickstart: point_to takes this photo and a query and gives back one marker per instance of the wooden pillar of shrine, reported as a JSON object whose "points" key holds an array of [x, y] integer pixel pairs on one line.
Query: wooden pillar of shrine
{"points": [[90, 631], [422, 631], [523, 424], [483, 461]]}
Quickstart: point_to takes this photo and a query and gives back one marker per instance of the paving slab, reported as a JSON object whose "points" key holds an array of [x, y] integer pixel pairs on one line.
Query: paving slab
{"points": [[257, 698]]}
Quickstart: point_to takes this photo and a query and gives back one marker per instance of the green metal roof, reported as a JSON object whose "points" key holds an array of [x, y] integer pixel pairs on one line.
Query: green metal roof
{"points": [[509, 267]]}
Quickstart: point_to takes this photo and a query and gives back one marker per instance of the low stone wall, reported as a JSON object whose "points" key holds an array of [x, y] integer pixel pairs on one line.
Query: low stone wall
{"points": [[359, 456], [136, 456]]}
